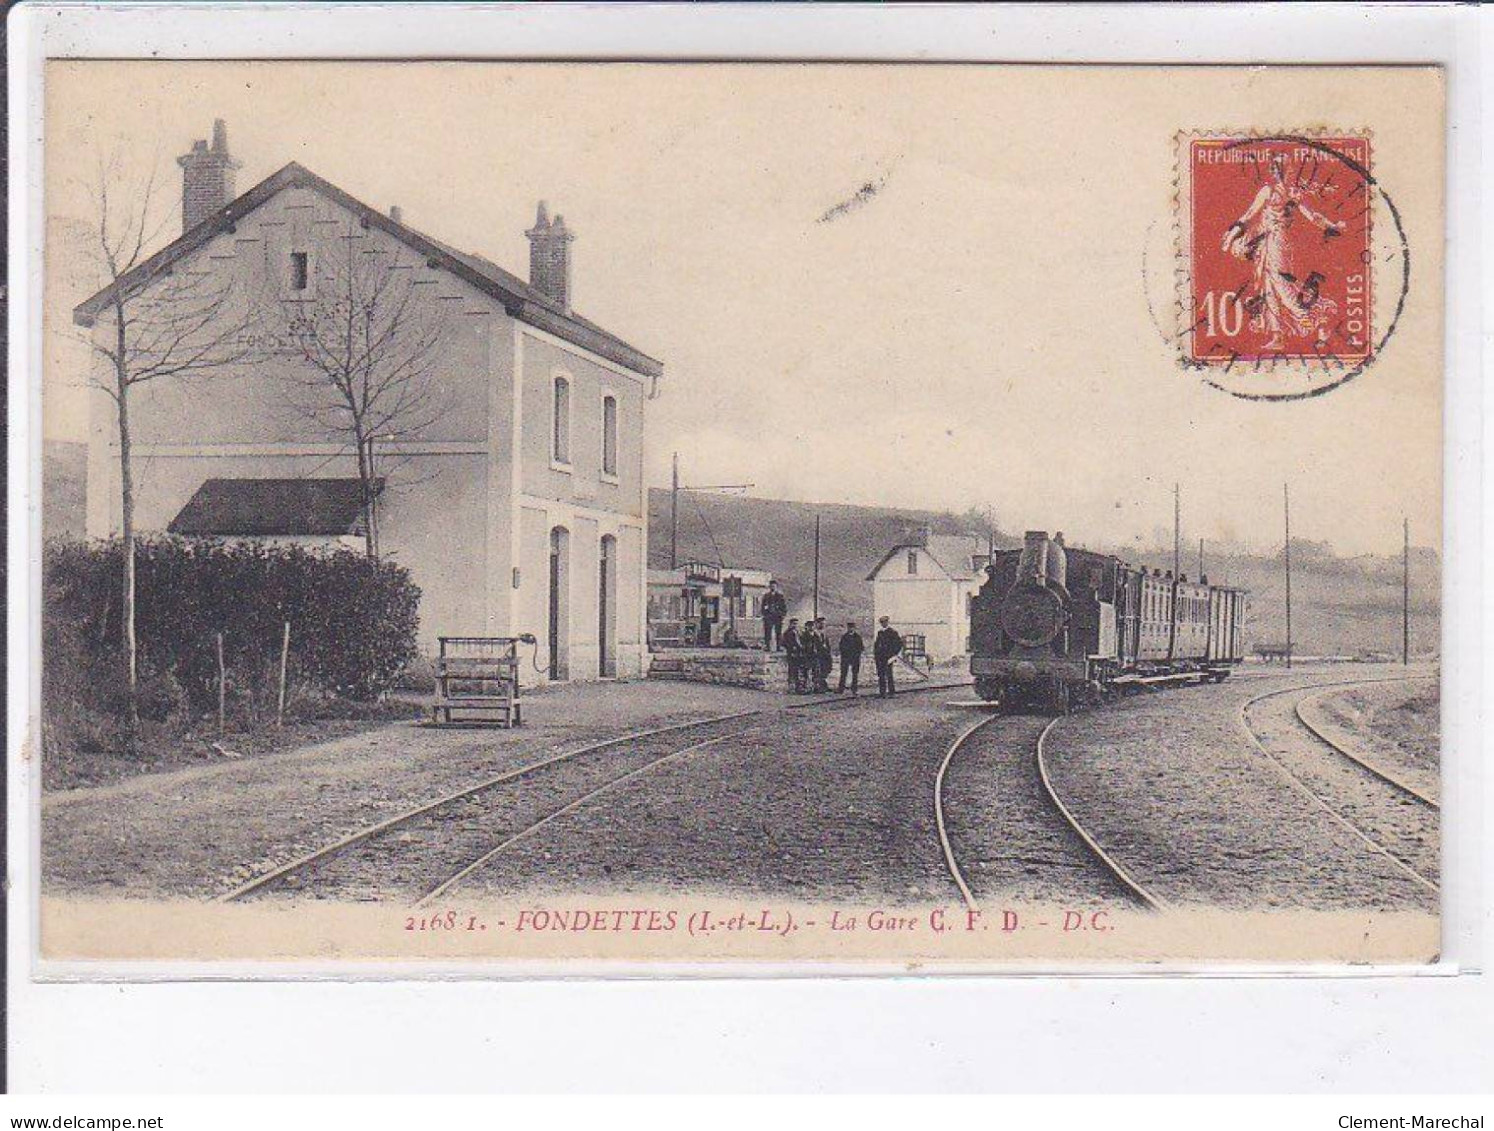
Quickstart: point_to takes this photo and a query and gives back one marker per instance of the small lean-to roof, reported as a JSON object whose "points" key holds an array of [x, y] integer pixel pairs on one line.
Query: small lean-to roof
{"points": [[519, 299], [228, 508], [952, 553]]}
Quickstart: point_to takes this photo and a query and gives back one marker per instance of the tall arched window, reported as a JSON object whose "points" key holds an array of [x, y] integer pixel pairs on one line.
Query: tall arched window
{"points": [[609, 435], [560, 448]]}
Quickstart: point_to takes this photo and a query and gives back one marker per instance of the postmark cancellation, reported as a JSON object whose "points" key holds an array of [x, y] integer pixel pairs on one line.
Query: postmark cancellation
{"points": [[1292, 265]]}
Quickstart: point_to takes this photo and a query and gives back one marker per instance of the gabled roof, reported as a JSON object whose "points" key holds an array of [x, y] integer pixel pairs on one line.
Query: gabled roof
{"points": [[519, 299], [229, 508], [954, 551], [951, 552]]}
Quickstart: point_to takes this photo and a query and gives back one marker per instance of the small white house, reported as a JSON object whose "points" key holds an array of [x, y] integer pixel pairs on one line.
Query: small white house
{"points": [[925, 586]]}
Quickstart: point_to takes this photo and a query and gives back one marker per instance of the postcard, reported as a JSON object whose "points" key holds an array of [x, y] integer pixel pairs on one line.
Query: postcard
{"points": [[550, 516]]}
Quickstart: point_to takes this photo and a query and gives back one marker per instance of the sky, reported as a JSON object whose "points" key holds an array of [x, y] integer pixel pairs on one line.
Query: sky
{"points": [[922, 286]]}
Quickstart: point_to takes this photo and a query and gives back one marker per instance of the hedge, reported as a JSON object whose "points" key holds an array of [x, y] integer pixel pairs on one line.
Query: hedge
{"points": [[353, 619]]}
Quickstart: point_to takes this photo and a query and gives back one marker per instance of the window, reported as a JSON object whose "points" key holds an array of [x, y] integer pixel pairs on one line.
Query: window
{"points": [[912, 563], [300, 271], [609, 435], [560, 449]]}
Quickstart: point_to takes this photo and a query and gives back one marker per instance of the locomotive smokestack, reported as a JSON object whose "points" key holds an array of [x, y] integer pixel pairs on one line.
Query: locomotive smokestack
{"points": [[1034, 559]]}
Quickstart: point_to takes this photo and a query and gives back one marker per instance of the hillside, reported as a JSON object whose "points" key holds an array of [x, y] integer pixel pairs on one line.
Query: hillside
{"points": [[778, 536], [1339, 605]]}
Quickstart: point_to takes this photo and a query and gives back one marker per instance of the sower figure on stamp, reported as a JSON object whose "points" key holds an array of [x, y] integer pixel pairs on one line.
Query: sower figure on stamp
{"points": [[793, 647], [1284, 301], [851, 647], [775, 608], [884, 650]]}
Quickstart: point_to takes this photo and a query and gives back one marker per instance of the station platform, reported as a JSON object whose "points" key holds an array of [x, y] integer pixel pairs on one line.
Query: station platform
{"points": [[732, 667]]}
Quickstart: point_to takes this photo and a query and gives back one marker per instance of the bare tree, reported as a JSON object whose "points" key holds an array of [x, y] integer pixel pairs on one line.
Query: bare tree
{"points": [[982, 520], [171, 323], [369, 332]]}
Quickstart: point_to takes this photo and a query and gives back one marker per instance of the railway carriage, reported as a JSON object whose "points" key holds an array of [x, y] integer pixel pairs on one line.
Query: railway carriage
{"points": [[1052, 626]]}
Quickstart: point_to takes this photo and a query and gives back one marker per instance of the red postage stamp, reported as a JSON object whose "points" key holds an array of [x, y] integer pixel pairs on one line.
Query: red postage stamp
{"points": [[1276, 241]]}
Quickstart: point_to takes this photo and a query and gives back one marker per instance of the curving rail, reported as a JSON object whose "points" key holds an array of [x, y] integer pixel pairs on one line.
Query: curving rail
{"points": [[1317, 798], [1108, 862], [328, 851]]}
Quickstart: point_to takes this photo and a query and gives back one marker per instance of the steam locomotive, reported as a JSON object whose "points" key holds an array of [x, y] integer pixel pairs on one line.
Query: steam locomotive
{"points": [[1053, 626]]}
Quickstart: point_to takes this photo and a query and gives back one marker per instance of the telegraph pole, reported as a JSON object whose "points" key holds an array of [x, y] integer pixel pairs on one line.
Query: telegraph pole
{"points": [[674, 508], [1177, 567], [1286, 505], [1177, 531], [1406, 592], [674, 513], [1200, 559], [816, 603]]}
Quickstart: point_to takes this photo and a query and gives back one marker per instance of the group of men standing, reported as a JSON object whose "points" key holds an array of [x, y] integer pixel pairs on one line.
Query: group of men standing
{"points": [[810, 659]]}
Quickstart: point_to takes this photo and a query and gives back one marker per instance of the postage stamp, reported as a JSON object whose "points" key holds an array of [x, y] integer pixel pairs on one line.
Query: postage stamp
{"points": [[1277, 260]]}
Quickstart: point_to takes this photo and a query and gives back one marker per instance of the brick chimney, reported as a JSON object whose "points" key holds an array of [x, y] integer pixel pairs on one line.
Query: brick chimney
{"points": [[550, 256], [207, 177]]}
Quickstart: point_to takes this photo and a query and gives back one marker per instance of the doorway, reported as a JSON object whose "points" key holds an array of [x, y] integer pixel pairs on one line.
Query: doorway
{"points": [[559, 635], [607, 608]]}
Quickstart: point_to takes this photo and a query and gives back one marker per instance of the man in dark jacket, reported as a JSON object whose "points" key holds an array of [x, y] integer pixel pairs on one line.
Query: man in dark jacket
{"points": [[851, 647], [775, 608], [825, 660], [884, 650], [794, 648], [809, 640]]}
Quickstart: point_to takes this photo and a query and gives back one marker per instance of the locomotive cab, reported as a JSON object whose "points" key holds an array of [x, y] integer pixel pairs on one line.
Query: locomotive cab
{"points": [[1022, 626]]}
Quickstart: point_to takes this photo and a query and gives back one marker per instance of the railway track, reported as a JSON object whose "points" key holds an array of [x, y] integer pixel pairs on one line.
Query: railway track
{"points": [[1380, 772], [1390, 817], [1045, 831], [422, 852]]}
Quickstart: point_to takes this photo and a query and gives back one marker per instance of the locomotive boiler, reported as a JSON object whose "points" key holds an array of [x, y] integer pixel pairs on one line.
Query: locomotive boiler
{"points": [[1054, 625]]}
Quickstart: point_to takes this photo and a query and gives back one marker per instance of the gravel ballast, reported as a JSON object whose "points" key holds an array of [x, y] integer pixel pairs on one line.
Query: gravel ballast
{"points": [[1173, 787], [1008, 837], [823, 805], [200, 832]]}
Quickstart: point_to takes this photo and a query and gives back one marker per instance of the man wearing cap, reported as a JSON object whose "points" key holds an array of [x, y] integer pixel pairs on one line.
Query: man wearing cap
{"points": [[775, 608], [884, 650], [851, 647], [793, 647]]}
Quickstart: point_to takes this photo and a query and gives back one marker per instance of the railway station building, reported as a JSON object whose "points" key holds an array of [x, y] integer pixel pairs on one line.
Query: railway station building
{"points": [[516, 497]]}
